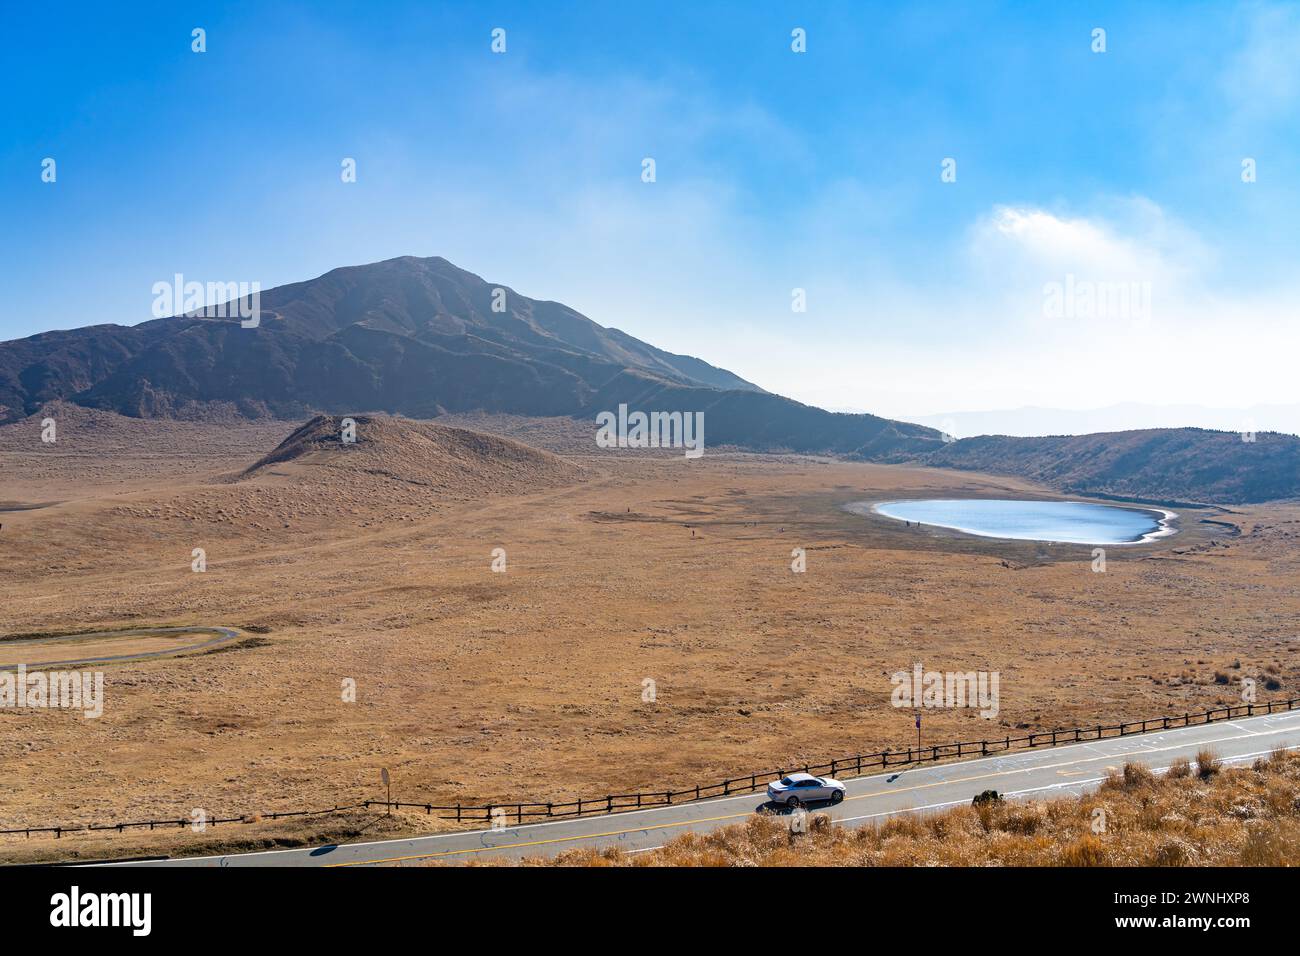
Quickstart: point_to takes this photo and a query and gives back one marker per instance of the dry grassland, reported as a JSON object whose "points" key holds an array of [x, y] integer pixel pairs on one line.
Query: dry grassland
{"points": [[475, 686]]}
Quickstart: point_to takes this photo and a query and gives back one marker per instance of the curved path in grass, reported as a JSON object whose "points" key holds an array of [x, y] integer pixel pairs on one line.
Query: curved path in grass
{"points": [[224, 635]]}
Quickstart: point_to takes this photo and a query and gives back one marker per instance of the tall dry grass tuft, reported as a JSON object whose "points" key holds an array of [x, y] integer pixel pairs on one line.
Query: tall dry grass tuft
{"points": [[1137, 775], [1088, 850], [1207, 763]]}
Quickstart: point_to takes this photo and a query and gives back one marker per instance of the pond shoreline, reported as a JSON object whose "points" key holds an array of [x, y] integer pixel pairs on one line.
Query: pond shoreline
{"points": [[1162, 518]]}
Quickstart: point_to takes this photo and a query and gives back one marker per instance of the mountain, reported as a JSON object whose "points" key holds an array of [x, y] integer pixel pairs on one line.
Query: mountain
{"points": [[1126, 416], [1164, 464], [420, 338], [413, 337]]}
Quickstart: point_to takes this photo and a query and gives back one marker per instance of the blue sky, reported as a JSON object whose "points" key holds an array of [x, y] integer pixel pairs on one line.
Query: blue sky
{"points": [[775, 170]]}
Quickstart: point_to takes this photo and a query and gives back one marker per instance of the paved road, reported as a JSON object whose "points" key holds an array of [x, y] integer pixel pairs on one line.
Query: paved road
{"points": [[1038, 774], [226, 635]]}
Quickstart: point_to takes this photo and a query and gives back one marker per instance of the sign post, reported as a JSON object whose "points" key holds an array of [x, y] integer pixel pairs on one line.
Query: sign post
{"points": [[388, 783], [918, 736]]}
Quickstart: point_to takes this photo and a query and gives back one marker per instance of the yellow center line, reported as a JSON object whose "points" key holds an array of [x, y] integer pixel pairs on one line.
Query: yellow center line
{"points": [[509, 846], [739, 816]]}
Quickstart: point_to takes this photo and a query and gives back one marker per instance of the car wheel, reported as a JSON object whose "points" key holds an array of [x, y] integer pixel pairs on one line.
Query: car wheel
{"points": [[792, 802], [837, 796]]}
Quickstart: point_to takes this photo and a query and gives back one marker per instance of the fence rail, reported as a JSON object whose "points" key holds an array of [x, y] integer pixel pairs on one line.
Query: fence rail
{"points": [[853, 765]]}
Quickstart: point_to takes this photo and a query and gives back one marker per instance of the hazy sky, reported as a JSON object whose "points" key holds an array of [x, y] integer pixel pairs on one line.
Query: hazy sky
{"points": [[776, 170]]}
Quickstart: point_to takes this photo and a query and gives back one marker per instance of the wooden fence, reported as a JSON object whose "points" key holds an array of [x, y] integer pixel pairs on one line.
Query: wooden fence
{"points": [[854, 765]]}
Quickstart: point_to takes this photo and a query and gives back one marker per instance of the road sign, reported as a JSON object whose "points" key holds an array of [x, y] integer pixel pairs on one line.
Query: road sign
{"points": [[383, 774]]}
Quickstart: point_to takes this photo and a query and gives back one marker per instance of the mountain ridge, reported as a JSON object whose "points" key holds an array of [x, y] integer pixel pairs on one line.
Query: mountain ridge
{"points": [[414, 337], [421, 338]]}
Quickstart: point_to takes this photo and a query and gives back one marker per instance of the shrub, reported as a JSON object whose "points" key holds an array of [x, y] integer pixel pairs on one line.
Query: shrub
{"points": [[1136, 775], [1207, 764], [1085, 851], [1173, 853]]}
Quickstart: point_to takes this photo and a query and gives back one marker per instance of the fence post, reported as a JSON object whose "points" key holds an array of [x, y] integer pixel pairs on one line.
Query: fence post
{"points": [[984, 748]]}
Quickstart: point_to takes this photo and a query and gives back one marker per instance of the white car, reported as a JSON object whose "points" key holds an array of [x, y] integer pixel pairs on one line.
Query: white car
{"points": [[800, 788]]}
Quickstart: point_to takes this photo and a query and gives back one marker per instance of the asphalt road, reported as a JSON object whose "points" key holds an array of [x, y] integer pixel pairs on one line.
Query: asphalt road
{"points": [[226, 635], [1036, 774]]}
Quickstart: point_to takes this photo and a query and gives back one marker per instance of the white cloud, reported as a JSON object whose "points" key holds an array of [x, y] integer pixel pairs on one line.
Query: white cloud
{"points": [[1018, 250], [1200, 344]]}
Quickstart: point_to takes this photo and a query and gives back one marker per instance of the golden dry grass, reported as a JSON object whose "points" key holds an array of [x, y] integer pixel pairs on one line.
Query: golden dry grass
{"points": [[1247, 816], [478, 687]]}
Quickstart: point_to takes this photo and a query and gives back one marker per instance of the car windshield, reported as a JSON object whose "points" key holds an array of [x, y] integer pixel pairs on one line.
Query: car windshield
{"points": [[787, 782]]}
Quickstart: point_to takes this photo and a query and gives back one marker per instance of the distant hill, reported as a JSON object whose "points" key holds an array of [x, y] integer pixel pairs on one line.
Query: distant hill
{"points": [[1125, 416], [1170, 464], [414, 453], [420, 338]]}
